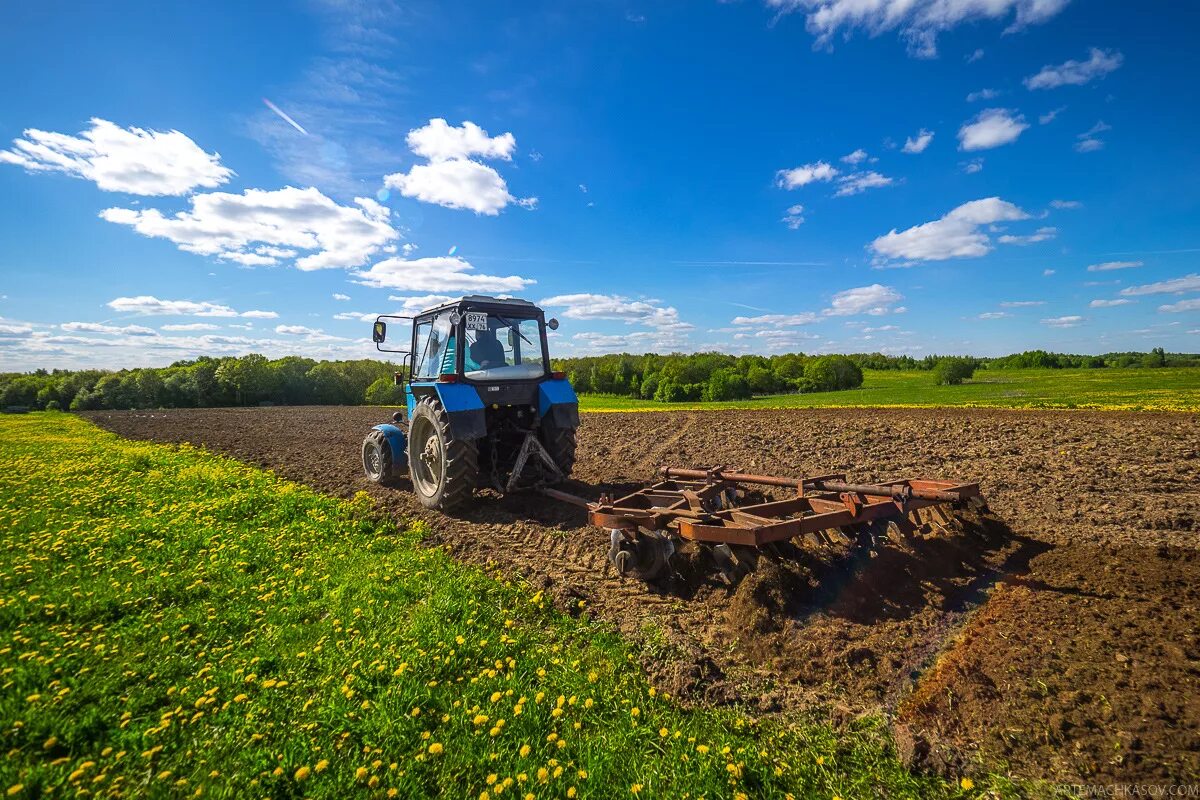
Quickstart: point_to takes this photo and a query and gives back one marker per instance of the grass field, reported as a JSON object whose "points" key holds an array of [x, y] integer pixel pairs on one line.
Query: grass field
{"points": [[173, 623], [1174, 389]]}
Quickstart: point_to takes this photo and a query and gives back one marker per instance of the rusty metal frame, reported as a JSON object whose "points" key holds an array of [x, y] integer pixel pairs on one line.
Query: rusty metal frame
{"points": [[702, 505]]}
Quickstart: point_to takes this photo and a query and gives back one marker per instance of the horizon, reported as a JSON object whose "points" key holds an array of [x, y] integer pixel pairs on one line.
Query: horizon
{"points": [[761, 177]]}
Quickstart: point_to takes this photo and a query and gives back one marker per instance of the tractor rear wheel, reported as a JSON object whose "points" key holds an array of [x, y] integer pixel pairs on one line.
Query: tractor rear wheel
{"points": [[560, 444], [443, 469], [378, 461]]}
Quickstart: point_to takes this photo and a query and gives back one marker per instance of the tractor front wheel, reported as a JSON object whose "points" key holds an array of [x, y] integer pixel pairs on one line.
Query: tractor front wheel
{"points": [[443, 469], [378, 462]]}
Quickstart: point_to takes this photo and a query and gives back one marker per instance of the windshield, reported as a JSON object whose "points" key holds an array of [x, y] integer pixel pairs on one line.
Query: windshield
{"points": [[502, 347]]}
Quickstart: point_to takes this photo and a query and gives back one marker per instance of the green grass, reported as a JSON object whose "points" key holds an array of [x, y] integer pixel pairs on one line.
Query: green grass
{"points": [[1173, 389], [173, 623]]}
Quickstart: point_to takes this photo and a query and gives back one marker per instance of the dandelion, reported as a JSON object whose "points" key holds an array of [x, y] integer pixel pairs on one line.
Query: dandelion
{"points": [[322, 765], [360, 773], [492, 778], [525, 749], [588, 703], [543, 774], [373, 782], [701, 749], [302, 774], [820, 760], [636, 788], [556, 712], [16, 788], [495, 696], [967, 784], [663, 732], [571, 792], [435, 749]]}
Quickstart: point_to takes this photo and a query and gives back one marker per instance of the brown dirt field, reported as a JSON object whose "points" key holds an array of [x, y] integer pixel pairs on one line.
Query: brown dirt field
{"points": [[1059, 642]]}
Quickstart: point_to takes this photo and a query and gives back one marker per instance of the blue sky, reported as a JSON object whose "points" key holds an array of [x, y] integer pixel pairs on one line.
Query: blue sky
{"points": [[981, 176]]}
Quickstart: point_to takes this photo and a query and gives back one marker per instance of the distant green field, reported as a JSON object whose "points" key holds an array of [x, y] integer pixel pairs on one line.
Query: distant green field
{"points": [[1173, 389]]}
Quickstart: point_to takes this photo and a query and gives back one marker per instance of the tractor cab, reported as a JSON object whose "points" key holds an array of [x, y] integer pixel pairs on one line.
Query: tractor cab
{"points": [[481, 399]]}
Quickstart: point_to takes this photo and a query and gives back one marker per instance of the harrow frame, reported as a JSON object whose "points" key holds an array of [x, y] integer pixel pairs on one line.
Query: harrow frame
{"points": [[709, 506]]}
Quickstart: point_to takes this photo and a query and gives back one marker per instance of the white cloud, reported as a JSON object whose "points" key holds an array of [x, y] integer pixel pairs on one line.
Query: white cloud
{"points": [[281, 222], [1049, 116], [794, 217], [1021, 303], [340, 297], [1188, 283], [458, 183], [1064, 205], [982, 94], [604, 306], [1109, 266], [992, 127], [994, 315], [859, 182], [147, 305], [1109, 303], [1048, 272], [440, 141], [919, 21], [918, 143], [1183, 305], [95, 327], [779, 320], [857, 157], [1064, 322], [800, 176], [956, 235], [972, 166], [412, 305], [1040, 235], [436, 273], [192, 326], [116, 159], [451, 178], [975, 56], [875, 299], [296, 330], [655, 341], [1076, 73]]}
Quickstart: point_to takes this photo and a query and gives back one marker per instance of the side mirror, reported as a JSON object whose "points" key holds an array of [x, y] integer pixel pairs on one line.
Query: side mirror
{"points": [[379, 332], [552, 324]]}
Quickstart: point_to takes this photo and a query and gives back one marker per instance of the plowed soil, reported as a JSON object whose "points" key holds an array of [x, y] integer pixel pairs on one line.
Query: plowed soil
{"points": [[1056, 640]]}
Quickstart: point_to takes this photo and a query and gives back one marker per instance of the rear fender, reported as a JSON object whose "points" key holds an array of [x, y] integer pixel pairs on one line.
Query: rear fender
{"points": [[462, 405], [558, 403]]}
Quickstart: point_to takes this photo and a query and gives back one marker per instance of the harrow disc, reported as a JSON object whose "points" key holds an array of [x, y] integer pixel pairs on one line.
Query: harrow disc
{"points": [[644, 555]]}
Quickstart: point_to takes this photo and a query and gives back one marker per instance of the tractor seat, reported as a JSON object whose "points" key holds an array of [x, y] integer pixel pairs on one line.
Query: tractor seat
{"points": [[487, 352]]}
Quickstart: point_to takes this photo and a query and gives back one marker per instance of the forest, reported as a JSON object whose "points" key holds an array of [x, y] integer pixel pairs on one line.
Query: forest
{"points": [[256, 380]]}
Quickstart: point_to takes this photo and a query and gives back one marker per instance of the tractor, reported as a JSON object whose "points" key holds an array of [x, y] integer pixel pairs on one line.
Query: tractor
{"points": [[483, 408]]}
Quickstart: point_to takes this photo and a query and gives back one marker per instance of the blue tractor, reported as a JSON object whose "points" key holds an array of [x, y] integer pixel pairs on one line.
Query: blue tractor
{"points": [[484, 410]]}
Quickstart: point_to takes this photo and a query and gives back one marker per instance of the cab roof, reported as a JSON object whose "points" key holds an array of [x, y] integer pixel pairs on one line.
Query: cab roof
{"points": [[483, 300]]}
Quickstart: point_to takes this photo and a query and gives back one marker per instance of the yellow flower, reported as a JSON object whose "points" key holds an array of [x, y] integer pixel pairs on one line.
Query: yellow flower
{"points": [[587, 703], [322, 765], [633, 712], [701, 749], [582, 774], [302, 773], [360, 773], [373, 782], [435, 749], [663, 732], [571, 792], [492, 778], [16, 788], [484, 796], [495, 696], [820, 760], [542, 774], [967, 784], [241, 698], [557, 712], [524, 750], [636, 788]]}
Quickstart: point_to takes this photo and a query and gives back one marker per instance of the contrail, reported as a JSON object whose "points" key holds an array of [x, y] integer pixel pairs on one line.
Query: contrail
{"points": [[284, 116]]}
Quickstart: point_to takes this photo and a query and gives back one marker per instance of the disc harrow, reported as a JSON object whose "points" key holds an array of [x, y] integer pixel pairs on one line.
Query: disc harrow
{"points": [[728, 513]]}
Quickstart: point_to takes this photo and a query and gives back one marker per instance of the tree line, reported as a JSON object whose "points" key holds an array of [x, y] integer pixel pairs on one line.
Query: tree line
{"points": [[207, 382], [255, 380], [717, 376]]}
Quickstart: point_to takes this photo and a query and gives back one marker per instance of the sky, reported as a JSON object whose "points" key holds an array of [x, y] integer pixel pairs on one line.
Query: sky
{"points": [[763, 176]]}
